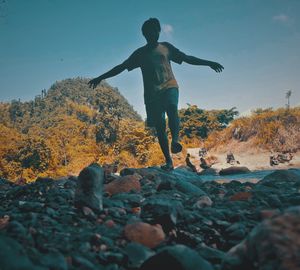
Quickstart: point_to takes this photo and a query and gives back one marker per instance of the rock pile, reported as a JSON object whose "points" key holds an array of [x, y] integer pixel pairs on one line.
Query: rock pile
{"points": [[150, 219]]}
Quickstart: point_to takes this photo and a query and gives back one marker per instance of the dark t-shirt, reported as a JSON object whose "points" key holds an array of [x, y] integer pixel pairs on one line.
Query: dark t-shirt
{"points": [[156, 67]]}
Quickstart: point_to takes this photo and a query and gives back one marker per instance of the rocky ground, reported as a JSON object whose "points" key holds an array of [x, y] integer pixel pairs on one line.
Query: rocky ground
{"points": [[151, 219]]}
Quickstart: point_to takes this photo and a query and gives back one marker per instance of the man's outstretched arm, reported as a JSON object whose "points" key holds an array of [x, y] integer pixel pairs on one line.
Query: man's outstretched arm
{"points": [[201, 62], [113, 72]]}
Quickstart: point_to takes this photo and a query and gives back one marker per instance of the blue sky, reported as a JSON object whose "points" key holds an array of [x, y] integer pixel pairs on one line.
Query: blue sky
{"points": [[258, 43]]}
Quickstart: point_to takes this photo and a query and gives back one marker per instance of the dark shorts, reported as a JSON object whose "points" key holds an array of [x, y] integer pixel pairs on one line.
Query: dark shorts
{"points": [[156, 110]]}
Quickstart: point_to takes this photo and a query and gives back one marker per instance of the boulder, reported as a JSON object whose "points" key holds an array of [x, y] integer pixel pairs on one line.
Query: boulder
{"points": [[178, 257], [14, 257], [234, 170], [145, 234], [281, 177], [90, 187], [273, 244]]}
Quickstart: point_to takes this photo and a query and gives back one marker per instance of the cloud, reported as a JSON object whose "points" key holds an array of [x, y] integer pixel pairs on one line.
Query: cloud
{"points": [[281, 18], [167, 29]]}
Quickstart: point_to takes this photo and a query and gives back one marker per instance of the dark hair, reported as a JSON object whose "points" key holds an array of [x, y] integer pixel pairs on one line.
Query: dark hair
{"points": [[150, 24]]}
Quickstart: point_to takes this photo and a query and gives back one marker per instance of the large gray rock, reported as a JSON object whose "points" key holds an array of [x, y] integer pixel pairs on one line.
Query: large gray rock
{"points": [[89, 189], [281, 177], [14, 257], [234, 170], [273, 244], [137, 254]]}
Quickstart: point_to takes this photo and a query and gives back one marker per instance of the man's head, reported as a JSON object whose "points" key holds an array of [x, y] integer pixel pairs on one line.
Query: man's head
{"points": [[151, 29]]}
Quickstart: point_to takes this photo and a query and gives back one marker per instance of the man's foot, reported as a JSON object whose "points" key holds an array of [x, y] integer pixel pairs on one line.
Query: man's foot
{"points": [[167, 167], [176, 147]]}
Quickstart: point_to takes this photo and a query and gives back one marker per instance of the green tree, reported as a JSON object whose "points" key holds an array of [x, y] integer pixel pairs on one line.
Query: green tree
{"points": [[196, 122]]}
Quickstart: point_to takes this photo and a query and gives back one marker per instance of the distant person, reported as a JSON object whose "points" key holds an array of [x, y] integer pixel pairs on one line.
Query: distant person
{"points": [[273, 160], [203, 164], [160, 85], [202, 152], [230, 158], [284, 157], [189, 163]]}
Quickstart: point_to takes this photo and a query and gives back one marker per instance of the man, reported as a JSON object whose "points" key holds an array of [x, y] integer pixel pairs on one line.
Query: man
{"points": [[189, 163], [203, 164], [160, 86]]}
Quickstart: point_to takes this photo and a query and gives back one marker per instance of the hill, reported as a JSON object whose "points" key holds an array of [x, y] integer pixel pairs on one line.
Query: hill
{"points": [[273, 130], [65, 128], [67, 97]]}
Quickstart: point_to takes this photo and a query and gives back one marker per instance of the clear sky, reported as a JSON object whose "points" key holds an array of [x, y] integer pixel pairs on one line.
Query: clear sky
{"points": [[258, 43]]}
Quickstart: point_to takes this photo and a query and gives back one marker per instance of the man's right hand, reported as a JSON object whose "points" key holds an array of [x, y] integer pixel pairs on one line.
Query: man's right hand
{"points": [[94, 82], [216, 66]]}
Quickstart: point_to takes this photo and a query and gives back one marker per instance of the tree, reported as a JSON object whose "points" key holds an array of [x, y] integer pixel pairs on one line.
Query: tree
{"points": [[287, 96], [196, 122]]}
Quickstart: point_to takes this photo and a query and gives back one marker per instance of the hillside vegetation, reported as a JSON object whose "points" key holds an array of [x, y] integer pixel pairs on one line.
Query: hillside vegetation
{"points": [[272, 130], [71, 125], [66, 128]]}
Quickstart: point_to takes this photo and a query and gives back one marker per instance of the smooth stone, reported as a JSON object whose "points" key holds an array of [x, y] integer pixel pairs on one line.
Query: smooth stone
{"points": [[137, 254], [124, 184], [145, 234]]}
